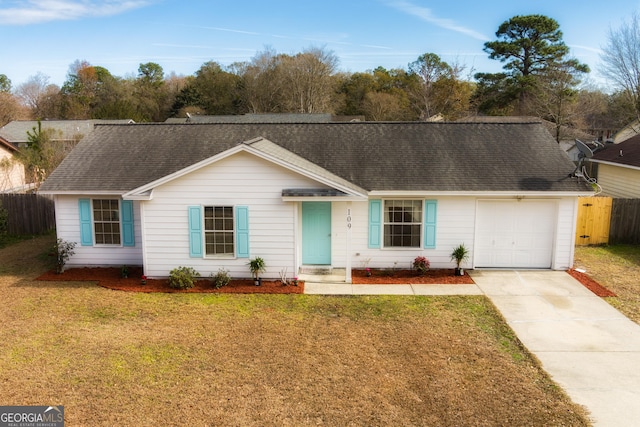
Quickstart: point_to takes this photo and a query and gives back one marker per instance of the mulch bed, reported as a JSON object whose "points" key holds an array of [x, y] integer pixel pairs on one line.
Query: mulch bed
{"points": [[389, 277], [591, 284], [111, 278]]}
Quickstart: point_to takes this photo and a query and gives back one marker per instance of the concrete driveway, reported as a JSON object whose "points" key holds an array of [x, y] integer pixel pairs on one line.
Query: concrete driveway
{"points": [[588, 347]]}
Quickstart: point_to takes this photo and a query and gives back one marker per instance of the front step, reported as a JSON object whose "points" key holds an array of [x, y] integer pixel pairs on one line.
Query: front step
{"points": [[322, 274]]}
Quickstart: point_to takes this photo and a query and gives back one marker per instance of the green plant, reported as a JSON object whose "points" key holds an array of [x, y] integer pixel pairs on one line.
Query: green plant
{"points": [[183, 277], [257, 266], [421, 264], [124, 271], [460, 254], [62, 250], [221, 278]]}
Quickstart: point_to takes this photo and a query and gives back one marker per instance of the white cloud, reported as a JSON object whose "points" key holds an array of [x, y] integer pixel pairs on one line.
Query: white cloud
{"points": [[426, 15], [587, 48], [39, 11]]}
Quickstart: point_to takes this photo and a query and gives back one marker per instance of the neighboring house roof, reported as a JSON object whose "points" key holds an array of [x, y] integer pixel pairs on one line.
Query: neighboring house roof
{"points": [[7, 145], [629, 131], [267, 118], [15, 132], [626, 153], [500, 119], [374, 156]]}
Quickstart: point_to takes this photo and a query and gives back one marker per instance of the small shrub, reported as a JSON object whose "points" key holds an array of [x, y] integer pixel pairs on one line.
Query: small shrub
{"points": [[221, 278], [62, 250], [183, 277], [257, 266], [421, 264]]}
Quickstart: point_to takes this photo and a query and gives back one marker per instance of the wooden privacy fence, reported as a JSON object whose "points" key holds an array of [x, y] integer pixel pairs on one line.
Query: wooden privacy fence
{"points": [[605, 220], [625, 222], [28, 213]]}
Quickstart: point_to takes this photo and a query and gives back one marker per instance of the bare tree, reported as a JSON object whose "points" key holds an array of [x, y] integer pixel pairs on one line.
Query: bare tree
{"points": [[621, 59], [430, 69], [310, 83], [379, 106], [10, 108], [261, 82], [556, 99], [32, 92]]}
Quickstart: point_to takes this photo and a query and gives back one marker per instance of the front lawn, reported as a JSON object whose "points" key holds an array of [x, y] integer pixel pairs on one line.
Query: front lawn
{"points": [[121, 358]]}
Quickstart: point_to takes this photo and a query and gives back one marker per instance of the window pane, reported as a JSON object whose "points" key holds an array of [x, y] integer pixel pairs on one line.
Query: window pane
{"points": [[219, 227], [402, 223], [106, 219]]}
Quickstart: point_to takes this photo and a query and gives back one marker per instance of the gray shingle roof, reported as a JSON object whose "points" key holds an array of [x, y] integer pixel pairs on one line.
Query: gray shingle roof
{"points": [[15, 132], [373, 155], [266, 118], [625, 153]]}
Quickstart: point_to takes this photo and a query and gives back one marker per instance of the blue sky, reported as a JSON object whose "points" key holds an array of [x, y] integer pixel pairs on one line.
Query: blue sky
{"points": [[46, 36]]}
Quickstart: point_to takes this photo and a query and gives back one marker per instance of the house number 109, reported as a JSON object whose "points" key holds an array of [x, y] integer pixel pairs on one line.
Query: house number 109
{"points": [[348, 218]]}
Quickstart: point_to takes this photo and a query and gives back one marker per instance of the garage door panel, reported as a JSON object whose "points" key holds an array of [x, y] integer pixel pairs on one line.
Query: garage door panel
{"points": [[515, 234]]}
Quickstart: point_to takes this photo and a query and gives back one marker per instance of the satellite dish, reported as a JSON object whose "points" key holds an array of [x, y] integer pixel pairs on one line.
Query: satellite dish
{"points": [[584, 149]]}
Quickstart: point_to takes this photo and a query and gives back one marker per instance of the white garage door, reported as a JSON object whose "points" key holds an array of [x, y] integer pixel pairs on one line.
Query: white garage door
{"points": [[515, 234]]}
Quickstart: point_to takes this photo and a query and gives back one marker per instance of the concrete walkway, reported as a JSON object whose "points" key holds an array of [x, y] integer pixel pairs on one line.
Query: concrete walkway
{"points": [[319, 288], [589, 348]]}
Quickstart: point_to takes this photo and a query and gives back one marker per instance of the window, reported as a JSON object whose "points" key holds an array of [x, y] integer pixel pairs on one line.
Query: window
{"points": [[402, 223], [106, 221], [218, 230]]}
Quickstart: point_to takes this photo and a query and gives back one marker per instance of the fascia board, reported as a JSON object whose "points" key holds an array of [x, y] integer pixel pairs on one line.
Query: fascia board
{"points": [[81, 193], [620, 165], [325, 199], [396, 194]]}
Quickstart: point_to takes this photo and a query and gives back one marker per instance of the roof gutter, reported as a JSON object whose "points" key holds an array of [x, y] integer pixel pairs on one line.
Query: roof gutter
{"points": [[621, 165], [516, 194]]}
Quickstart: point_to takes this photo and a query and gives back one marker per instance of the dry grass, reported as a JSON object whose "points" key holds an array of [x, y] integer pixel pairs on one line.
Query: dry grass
{"points": [[618, 269], [116, 358]]}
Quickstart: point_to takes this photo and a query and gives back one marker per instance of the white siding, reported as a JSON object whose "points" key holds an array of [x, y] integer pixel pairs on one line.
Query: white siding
{"points": [[455, 225], [565, 233], [239, 180], [619, 182], [68, 228]]}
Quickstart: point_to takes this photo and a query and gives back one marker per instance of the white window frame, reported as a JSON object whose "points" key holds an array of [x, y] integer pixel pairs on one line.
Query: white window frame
{"points": [[95, 222], [386, 223], [212, 231]]}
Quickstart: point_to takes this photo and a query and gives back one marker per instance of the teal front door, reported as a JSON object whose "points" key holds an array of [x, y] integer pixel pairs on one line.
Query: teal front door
{"points": [[316, 233]]}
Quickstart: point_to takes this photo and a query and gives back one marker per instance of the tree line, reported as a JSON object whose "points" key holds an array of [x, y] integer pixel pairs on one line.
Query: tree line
{"points": [[539, 78]]}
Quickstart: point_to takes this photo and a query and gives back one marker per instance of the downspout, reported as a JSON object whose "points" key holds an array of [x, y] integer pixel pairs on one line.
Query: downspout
{"points": [[348, 249]]}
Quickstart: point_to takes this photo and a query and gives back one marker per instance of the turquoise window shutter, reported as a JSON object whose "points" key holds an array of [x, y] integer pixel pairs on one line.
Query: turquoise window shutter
{"points": [[128, 237], [195, 232], [375, 223], [430, 216], [86, 230], [242, 232]]}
